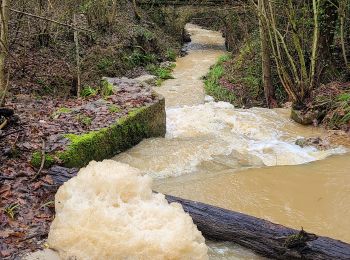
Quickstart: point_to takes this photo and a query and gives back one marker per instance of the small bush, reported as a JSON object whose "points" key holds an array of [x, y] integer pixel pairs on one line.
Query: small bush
{"points": [[104, 65], [145, 33], [170, 55], [107, 88], [138, 58], [164, 73]]}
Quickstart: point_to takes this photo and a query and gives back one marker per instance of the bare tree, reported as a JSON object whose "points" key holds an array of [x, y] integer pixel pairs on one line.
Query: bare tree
{"points": [[4, 15], [265, 57]]}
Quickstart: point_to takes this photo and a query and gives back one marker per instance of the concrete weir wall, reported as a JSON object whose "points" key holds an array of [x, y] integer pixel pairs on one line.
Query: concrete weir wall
{"points": [[145, 122]]}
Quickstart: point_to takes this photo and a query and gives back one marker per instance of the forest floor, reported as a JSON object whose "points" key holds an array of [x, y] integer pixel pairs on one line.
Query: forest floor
{"points": [[39, 125]]}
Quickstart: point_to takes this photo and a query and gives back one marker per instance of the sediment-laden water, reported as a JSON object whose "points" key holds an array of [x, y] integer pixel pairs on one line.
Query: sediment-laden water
{"points": [[244, 160]]}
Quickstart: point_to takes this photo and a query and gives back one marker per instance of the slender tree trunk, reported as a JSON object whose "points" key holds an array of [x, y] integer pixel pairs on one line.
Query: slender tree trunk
{"points": [[4, 47], [328, 24], [314, 55], [342, 14], [77, 55], [136, 12], [266, 58]]}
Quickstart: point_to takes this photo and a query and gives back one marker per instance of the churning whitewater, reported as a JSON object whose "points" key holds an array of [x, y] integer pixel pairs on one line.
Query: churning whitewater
{"points": [[216, 131], [109, 211]]}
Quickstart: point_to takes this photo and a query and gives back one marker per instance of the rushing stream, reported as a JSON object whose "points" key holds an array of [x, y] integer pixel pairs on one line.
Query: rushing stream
{"points": [[244, 160]]}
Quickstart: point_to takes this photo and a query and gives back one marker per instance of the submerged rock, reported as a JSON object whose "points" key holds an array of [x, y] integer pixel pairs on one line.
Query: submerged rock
{"points": [[108, 211], [317, 142], [305, 118]]}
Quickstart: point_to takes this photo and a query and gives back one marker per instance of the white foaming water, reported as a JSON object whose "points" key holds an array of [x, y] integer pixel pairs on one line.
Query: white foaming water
{"points": [[257, 131], [215, 131], [109, 212]]}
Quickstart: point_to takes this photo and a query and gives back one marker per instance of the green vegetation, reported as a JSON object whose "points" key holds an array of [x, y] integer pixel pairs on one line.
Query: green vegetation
{"points": [[113, 108], [60, 111], [145, 33], [107, 88], [84, 120], [11, 210], [139, 58], [88, 91], [98, 145], [170, 55], [212, 84], [37, 158], [339, 115], [162, 73], [105, 64]]}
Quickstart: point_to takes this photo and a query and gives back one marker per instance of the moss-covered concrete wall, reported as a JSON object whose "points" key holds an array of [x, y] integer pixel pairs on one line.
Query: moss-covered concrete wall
{"points": [[145, 122]]}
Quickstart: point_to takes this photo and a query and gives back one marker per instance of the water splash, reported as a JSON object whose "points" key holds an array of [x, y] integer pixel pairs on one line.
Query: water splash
{"points": [[215, 131]]}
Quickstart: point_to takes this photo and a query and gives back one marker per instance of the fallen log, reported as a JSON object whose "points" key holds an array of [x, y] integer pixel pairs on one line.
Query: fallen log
{"points": [[263, 237]]}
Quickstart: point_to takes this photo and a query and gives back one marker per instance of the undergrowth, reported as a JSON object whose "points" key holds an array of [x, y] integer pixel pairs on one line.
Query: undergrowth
{"points": [[333, 103], [212, 82], [238, 78]]}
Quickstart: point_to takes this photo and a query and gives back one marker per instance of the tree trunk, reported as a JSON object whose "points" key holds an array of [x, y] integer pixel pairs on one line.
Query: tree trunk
{"points": [[4, 48], [328, 24], [77, 56], [263, 237], [266, 58]]}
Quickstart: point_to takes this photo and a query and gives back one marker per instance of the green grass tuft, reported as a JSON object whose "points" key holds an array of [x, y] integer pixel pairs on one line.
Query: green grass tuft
{"points": [[88, 91]]}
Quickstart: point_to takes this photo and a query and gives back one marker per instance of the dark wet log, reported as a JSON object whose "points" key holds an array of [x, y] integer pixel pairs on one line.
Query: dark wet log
{"points": [[60, 174], [6, 112], [263, 237]]}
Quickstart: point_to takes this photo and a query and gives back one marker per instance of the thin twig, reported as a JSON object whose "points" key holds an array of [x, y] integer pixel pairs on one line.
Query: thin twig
{"points": [[50, 20], [3, 124], [42, 161], [11, 133]]}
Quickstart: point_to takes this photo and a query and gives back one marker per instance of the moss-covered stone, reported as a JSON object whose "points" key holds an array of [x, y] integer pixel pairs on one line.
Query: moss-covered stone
{"points": [[140, 123], [304, 118], [36, 160]]}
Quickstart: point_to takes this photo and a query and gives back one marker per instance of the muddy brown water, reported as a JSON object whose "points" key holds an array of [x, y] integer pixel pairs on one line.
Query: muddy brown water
{"points": [[243, 160]]}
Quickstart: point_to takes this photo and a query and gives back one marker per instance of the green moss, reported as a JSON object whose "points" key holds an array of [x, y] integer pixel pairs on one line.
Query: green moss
{"points": [[140, 123], [36, 160], [60, 111]]}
